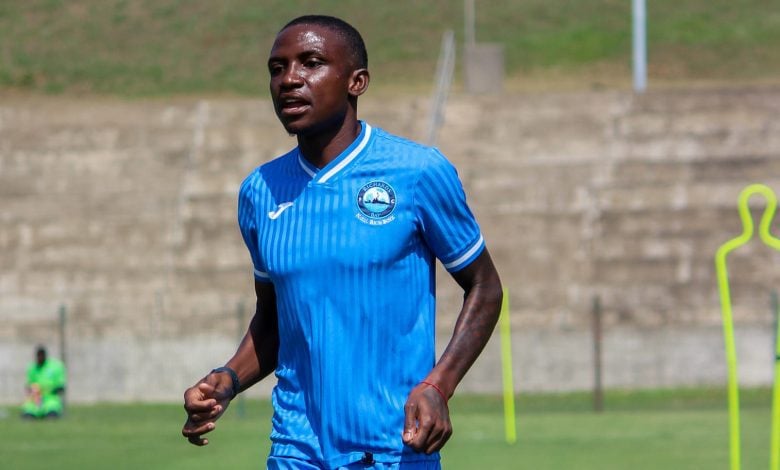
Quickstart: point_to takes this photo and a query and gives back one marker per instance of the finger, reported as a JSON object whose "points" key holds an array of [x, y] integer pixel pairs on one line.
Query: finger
{"points": [[410, 422], [424, 425], [209, 414], [198, 441], [434, 437], [212, 390], [438, 438], [207, 389], [198, 399], [195, 395], [200, 406], [199, 392], [193, 431]]}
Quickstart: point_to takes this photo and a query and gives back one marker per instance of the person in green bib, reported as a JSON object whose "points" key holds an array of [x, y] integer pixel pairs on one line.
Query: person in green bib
{"points": [[45, 387]]}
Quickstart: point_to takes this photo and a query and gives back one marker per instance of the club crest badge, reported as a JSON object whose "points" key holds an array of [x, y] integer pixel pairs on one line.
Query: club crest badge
{"points": [[376, 201]]}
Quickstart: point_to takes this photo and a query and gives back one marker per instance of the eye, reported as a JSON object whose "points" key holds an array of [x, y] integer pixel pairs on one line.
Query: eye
{"points": [[275, 69], [313, 63]]}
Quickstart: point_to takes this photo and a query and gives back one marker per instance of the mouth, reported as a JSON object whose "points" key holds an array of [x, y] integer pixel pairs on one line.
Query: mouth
{"points": [[291, 106]]}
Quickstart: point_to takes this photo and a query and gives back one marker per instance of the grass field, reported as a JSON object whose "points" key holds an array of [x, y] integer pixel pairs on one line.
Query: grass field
{"points": [[164, 47], [678, 429]]}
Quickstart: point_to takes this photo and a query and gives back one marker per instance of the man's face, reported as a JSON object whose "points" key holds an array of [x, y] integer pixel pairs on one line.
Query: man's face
{"points": [[311, 71]]}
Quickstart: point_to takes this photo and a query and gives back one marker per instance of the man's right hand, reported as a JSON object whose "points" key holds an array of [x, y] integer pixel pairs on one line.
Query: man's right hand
{"points": [[205, 402]]}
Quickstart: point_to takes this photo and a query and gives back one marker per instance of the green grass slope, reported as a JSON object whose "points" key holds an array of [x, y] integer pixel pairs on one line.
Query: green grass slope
{"points": [[164, 47]]}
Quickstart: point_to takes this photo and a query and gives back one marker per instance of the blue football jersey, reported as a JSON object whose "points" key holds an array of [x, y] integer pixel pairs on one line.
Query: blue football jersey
{"points": [[351, 249]]}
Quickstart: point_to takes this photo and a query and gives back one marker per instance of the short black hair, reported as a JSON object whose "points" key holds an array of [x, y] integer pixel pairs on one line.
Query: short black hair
{"points": [[348, 33]]}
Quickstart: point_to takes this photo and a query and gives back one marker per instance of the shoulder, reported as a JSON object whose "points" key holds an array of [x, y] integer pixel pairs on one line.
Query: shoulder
{"points": [[281, 163], [279, 166], [384, 139], [408, 152]]}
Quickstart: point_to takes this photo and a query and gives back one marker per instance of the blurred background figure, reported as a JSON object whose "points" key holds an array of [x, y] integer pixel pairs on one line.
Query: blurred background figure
{"points": [[45, 387]]}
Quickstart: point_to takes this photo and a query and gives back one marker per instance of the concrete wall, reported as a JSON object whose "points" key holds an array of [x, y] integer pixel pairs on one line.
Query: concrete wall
{"points": [[124, 212]]}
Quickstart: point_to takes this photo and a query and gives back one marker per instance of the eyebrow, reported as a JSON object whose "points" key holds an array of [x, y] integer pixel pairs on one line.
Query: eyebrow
{"points": [[302, 55]]}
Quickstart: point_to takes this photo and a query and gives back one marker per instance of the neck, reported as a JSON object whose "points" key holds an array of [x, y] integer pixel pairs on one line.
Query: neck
{"points": [[321, 148]]}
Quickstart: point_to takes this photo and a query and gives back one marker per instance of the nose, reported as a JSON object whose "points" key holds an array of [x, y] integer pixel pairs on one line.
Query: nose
{"points": [[291, 77]]}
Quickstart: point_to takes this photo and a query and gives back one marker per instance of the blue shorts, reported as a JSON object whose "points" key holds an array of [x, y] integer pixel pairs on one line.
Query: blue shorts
{"points": [[289, 463]]}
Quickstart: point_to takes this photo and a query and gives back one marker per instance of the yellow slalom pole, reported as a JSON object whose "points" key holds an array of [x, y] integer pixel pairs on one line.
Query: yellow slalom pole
{"points": [[506, 363], [768, 239], [774, 443], [731, 358], [725, 301]]}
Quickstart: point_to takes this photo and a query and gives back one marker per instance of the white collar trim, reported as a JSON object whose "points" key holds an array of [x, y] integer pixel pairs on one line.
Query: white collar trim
{"points": [[306, 167], [343, 163]]}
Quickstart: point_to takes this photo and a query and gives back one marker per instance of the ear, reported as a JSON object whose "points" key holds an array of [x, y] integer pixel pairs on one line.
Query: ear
{"points": [[358, 82]]}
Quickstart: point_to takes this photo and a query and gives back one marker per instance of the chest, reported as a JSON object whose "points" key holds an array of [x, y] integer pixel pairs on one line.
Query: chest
{"points": [[355, 223]]}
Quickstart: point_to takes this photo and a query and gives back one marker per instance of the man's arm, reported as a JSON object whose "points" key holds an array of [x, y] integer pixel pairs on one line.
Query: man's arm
{"points": [[258, 352], [254, 359], [427, 424], [59, 386]]}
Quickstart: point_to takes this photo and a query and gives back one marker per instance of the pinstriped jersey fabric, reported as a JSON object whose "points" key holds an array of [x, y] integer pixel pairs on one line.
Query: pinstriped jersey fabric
{"points": [[350, 249]]}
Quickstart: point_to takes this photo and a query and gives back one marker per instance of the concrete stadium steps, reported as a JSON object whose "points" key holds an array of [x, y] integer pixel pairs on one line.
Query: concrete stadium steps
{"points": [[124, 211]]}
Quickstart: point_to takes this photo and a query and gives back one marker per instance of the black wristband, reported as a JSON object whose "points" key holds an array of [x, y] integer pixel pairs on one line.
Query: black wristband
{"points": [[233, 378]]}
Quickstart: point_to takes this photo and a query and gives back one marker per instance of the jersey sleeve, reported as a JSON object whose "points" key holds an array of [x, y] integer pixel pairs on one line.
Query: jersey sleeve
{"points": [[448, 226], [247, 223], [59, 375], [32, 376]]}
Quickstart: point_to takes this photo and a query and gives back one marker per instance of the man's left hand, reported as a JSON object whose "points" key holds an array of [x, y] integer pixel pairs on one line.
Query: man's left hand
{"points": [[427, 425]]}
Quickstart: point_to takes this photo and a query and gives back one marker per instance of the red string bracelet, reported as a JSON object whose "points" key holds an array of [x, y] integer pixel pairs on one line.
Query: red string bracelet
{"points": [[437, 389]]}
